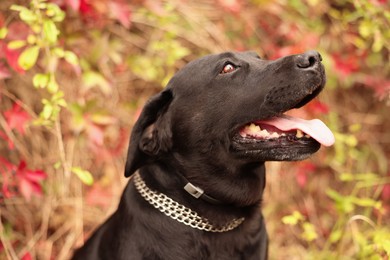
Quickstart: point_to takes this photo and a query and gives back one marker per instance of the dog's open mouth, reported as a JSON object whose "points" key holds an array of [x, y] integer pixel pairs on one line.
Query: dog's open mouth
{"points": [[289, 128], [281, 138]]}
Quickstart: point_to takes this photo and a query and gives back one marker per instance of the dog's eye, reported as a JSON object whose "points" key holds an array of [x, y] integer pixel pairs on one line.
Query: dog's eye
{"points": [[228, 68]]}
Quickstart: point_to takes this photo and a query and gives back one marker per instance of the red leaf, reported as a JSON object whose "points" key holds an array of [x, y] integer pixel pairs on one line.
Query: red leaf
{"points": [[16, 31], [346, 65], [302, 172], [381, 86], [17, 118], [86, 8], [317, 107], [233, 6], [4, 71], [74, 4], [386, 193], [12, 57], [379, 2], [99, 196], [35, 176], [121, 12], [28, 181], [95, 134], [27, 256], [301, 179]]}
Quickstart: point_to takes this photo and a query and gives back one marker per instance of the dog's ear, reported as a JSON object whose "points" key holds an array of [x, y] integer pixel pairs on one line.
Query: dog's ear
{"points": [[151, 133]]}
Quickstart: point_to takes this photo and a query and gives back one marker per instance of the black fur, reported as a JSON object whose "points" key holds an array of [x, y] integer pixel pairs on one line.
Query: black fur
{"points": [[191, 129]]}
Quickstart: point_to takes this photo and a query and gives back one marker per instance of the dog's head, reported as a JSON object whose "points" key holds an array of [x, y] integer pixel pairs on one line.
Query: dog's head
{"points": [[227, 109]]}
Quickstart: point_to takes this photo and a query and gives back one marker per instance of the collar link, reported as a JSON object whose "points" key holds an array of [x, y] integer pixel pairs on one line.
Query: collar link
{"points": [[178, 211]]}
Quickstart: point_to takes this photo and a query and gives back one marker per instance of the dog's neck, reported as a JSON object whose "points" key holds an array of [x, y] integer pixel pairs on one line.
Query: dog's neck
{"points": [[240, 193]]}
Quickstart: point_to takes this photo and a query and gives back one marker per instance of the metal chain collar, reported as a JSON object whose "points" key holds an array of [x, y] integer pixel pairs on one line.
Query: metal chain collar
{"points": [[179, 212]]}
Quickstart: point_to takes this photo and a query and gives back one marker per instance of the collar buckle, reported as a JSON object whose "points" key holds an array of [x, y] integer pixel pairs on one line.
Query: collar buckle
{"points": [[193, 190]]}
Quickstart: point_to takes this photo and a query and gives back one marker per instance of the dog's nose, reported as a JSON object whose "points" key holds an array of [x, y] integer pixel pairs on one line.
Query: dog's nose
{"points": [[308, 59]]}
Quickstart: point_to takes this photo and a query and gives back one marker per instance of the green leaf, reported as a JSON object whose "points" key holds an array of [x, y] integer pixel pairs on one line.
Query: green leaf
{"points": [[3, 32], [84, 175], [346, 177], [366, 202], [17, 8], [309, 232], [55, 12], [343, 203], [386, 246], [50, 31], [29, 57], [92, 79], [379, 42], [40, 80], [57, 165], [47, 111], [59, 52], [16, 44], [292, 219], [27, 15], [52, 85], [335, 236], [31, 39], [71, 58], [366, 28]]}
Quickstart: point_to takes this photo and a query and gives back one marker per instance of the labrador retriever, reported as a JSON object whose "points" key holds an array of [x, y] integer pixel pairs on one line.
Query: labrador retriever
{"points": [[197, 156]]}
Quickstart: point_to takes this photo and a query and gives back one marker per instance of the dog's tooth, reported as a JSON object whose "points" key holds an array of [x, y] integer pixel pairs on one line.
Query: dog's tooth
{"points": [[307, 136], [260, 134], [299, 134], [275, 135], [252, 128]]}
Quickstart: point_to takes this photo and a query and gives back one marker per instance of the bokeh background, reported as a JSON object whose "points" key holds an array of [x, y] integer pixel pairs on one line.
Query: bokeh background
{"points": [[74, 75]]}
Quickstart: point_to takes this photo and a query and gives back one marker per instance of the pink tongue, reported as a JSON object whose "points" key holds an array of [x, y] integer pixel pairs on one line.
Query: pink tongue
{"points": [[315, 128]]}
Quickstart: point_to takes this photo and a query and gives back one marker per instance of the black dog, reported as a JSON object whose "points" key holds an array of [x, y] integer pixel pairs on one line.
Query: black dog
{"points": [[199, 147]]}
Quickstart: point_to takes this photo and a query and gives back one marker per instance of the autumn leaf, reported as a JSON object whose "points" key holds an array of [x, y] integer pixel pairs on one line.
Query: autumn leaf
{"points": [[84, 175], [86, 8], [381, 86], [95, 134], [3, 32], [386, 193], [17, 118], [29, 181], [50, 31], [26, 256], [74, 4], [12, 57], [233, 6], [99, 196], [4, 71], [120, 10], [346, 65], [317, 107], [28, 57], [17, 31], [302, 172]]}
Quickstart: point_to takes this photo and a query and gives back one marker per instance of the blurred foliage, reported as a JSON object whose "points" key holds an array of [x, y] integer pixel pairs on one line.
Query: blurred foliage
{"points": [[75, 73]]}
